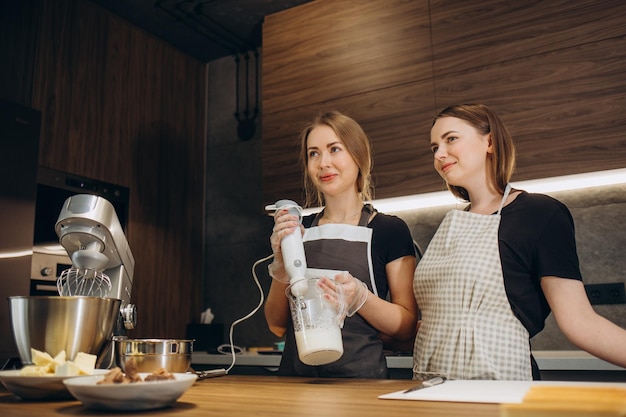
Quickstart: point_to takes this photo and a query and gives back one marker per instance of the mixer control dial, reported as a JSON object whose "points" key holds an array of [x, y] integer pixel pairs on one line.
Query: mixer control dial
{"points": [[129, 314], [46, 271]]}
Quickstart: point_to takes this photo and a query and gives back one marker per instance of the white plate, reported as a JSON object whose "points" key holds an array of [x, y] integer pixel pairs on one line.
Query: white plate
{"points": [[47, 387], [132, 396]]}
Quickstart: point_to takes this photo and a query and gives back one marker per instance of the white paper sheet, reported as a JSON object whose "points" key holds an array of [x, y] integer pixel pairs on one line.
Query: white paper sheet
{"points": [[475, 391]]}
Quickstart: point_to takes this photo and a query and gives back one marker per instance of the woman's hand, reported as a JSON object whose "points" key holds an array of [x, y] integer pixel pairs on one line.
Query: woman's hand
{"points": [[351, 295], [284, 224], [276, 307]]}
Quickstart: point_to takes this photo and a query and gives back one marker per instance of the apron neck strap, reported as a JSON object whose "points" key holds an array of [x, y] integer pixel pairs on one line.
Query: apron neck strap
{"points": [[366, 213], [507, 190]]}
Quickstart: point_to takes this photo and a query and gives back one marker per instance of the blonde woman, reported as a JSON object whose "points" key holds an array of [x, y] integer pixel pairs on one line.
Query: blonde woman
{"points": [[347, 235]]}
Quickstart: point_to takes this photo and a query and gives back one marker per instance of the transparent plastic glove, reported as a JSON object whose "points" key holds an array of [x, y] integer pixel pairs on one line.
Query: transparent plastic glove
{"points": [[277, 271], [353, 291]]}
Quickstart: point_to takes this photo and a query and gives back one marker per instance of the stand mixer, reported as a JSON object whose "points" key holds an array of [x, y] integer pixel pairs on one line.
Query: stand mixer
{"points": [[102, 262]]}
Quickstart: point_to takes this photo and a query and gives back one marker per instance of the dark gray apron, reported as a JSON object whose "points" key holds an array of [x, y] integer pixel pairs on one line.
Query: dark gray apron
{"points": [[344, 248]]}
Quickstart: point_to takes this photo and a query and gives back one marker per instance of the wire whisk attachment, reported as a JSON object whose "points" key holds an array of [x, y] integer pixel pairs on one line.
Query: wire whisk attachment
{"points": [[84, 282]]}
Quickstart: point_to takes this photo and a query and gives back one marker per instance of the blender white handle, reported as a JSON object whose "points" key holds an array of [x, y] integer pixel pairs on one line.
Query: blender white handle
{"points": [[292, 246], [293, 256]]}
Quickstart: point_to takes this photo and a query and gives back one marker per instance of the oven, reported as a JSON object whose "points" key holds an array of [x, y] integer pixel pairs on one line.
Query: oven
{"points": [[46, 267]]}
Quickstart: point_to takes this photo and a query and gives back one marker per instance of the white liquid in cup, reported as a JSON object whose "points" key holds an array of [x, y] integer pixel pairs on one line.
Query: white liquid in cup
{"points": [[319, 346], [316, 322]]}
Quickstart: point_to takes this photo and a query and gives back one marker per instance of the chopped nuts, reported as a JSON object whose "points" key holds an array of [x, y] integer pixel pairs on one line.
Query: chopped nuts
{"points": [[160, 375], [116, 376]]}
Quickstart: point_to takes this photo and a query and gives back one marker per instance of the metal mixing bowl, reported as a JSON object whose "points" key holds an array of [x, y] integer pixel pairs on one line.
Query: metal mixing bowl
{"points": [[174, 355], [52, 324]]}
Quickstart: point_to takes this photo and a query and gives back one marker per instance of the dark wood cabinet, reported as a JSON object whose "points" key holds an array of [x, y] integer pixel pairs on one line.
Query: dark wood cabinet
{"points": [[120, 106], [553, 70]]}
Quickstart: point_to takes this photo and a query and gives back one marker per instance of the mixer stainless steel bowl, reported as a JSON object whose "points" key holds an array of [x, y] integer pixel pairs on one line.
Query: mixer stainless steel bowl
{"points": [[52, 324], [173, 355]]}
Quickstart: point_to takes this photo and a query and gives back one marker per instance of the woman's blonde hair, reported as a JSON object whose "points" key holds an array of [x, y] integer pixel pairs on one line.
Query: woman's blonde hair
{"points": [[486, 122], [357, 144]]}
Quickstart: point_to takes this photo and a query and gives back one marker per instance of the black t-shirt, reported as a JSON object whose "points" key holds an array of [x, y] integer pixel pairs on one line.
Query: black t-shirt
{"points": [[536, 239]]}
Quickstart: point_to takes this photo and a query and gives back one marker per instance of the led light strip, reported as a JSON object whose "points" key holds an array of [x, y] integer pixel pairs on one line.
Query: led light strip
{"points": [[544, 185], [16, 254], [574, 182]]}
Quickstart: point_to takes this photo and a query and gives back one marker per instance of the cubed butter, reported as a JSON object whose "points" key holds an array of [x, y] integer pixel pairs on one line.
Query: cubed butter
{"points": [[31, 370], [85, 362], [67, 369], [44, 364], [60, 358], [40, 358]]}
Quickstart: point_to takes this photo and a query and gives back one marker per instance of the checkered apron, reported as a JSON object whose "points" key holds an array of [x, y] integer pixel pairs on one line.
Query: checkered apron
{"points": [[468, 330]]}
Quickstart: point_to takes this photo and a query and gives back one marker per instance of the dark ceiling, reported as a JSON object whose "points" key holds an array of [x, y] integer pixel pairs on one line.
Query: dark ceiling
{"points": [[204, 29]]}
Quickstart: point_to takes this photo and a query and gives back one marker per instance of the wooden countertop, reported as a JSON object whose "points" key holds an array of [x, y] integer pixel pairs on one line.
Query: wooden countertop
{"points": [[272, 396]]}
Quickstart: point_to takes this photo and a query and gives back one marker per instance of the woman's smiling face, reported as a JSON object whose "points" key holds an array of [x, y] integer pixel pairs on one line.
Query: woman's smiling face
{"points": [[329, 164], [460, 151]]}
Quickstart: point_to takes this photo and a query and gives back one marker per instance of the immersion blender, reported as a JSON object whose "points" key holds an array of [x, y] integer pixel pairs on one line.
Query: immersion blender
{"points": [[317, 324]]}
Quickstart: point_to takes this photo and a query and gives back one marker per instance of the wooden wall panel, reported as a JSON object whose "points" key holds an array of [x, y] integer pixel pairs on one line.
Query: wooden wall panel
{"points": [[565, 108], [18, 44], [370, 60], [394, 119], [473, 34], [123, 107], [341, 49], [554, 70]]}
